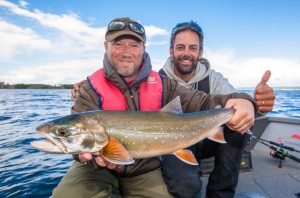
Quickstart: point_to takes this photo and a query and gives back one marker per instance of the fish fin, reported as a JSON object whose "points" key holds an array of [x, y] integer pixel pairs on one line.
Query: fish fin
{"points": [[218, 136], [115, 152], [173, 107], [186, 156]]}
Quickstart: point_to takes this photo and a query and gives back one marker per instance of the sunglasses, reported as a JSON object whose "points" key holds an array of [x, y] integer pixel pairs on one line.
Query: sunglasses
{"points": [[184, 26], [120, 25]]}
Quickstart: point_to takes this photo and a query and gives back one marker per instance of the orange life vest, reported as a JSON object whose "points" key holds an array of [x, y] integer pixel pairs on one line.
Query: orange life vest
{"points": [[111, 97]]}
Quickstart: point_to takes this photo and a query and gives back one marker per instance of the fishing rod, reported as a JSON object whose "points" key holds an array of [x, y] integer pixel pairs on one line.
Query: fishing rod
{"points": [[276, 152]]}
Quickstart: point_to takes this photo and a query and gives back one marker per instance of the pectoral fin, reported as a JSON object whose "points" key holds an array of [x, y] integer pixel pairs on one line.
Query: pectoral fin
{"points": [[186, 156], [115, 152], [218, 136]]}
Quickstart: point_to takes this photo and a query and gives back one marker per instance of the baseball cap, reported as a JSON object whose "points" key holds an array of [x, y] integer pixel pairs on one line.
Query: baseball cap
{"points": [[125, 26]]}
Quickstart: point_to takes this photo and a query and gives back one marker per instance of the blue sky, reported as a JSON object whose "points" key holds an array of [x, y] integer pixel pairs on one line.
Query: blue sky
{"points": [[58, 42]]}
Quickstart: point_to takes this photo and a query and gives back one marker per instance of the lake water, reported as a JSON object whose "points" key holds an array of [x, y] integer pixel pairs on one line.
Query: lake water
{"points": [[26, 172]]}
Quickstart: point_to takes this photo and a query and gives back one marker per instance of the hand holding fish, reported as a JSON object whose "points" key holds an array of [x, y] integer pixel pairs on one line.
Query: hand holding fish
{"points": [[243, 118], [264, 94], [85, 157]]}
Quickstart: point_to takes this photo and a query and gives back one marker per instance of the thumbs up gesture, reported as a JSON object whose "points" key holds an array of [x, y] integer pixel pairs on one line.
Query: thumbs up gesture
{"points": [[264, 94]]}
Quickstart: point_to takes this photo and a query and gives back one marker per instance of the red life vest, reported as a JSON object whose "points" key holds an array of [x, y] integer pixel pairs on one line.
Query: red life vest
{"points": [[150, 92]]}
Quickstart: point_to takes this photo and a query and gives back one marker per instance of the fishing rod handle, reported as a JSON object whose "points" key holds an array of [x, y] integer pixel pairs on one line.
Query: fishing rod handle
{"points": [[282, 145], [294, 158]]}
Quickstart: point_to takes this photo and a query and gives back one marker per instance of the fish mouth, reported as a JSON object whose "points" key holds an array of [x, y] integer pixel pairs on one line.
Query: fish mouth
{"points": [[46, 146], [45, 129]]}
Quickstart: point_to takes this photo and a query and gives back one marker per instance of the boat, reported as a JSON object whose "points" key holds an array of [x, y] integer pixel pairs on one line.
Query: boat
{"points": [[270, 165]]}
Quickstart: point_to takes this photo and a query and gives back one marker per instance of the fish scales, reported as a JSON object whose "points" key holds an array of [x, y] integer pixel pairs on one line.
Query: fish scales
{"points": [[162, 132]]}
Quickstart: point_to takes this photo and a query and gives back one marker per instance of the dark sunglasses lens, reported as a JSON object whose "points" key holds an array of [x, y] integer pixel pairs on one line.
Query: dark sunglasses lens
{"points": [[137, 28], [116, 25]]}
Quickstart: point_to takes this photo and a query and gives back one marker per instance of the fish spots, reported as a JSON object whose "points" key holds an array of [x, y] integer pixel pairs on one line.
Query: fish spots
{"points": [[175, 137], [155, 138]]}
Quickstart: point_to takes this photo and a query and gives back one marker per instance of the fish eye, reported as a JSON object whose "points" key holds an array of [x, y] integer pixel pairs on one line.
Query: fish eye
{"points": [[63, 132]]}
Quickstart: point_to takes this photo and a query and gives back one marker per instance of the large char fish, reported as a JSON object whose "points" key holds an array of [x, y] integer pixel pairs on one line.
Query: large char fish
{"points": [[122, 136]]}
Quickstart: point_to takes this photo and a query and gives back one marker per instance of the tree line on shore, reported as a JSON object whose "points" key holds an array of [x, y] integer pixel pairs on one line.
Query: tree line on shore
{"points": [[35, 86]]}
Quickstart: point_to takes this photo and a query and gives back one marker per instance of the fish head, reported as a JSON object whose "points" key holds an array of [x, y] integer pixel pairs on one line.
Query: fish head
{"points": [[73, 134]]}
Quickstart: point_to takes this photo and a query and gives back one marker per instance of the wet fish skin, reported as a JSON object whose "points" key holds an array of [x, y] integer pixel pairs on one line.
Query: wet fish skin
{"points": [[142, 134]]}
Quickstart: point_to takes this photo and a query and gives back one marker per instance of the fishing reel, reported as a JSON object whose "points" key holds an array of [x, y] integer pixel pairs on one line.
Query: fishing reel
{"points": [[277, 149], [277, 154]]}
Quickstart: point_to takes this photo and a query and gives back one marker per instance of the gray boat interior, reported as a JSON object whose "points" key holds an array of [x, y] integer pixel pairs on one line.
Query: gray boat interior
{"points": [[265, 178]]}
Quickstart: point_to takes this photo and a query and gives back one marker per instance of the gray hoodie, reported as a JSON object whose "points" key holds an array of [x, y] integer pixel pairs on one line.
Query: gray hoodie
{"points": [[218, 84]]}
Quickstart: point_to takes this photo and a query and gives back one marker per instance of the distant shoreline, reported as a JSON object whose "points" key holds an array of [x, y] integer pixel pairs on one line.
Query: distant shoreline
{"points": [[35, 86]]}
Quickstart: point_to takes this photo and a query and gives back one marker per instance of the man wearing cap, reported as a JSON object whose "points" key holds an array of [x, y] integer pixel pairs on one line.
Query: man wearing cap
{"points": [[127, 82]]}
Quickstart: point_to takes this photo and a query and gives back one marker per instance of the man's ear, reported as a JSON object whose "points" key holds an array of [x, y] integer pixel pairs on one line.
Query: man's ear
{"points": [[171, 53], [200, 54], [105, 45]]}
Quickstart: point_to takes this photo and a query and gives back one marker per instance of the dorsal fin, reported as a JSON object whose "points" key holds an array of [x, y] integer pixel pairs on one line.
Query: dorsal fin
{"points": [[173, 107]]}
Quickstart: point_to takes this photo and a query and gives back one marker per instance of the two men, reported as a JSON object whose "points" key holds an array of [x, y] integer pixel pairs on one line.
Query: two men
{"points": [[123, 84]]}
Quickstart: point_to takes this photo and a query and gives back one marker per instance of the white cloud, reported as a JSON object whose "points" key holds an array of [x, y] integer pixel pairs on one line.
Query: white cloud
{"points": [[23, 4], [247, 72], [53, 73], [16, 40], [67, 32], [152, 31]]}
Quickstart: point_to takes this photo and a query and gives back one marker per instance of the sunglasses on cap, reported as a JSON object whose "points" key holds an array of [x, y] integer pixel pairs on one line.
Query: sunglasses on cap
{"points": [[120, 25], [187, 25]]}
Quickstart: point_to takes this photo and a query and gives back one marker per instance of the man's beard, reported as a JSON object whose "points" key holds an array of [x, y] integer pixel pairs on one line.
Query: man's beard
{"points": [[184, 70], [127, 73]]}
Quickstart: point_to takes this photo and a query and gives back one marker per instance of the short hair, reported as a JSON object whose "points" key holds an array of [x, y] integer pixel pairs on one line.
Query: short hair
{"points": [[191, 25]]}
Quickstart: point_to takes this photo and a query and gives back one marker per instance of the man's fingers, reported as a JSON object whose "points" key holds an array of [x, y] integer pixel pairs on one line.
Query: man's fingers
{"points": [[264, 96], [73, 95], [85, 157], [76, 88], [111, 166], [100, 161], [242, 125], [104, 163]]}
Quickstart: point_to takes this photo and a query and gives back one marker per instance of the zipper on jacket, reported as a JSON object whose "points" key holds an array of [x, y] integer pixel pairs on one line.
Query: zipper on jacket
{"points": [[131, 95], [132, 98]]}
